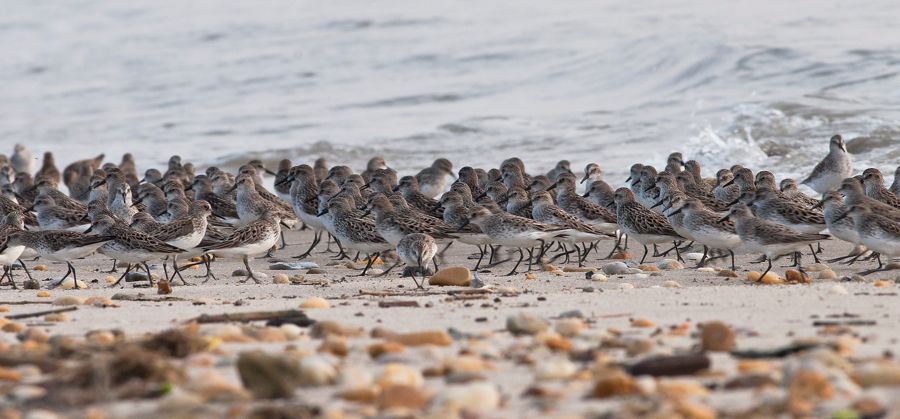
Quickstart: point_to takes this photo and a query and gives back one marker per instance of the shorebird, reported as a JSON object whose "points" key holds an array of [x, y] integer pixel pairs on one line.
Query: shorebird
{"points": [[433, 180], [599, 217], [21, 160], [853, 192], [186, 233], [417, 251], [514, 231], [53, 217], [600, 193], [282, 188], [48, 169], [593, 173], [577, 231], [130, 246], [253, 239], [895, 187], [353, 232], [707, 228], [12, 222], [58, 246], [675, 163], [375, 163], [71, 173], [393, 224], [878, 233], [456, 215], [874, 186], [834, 168], [563, 166], [790, 190], [409, 189], [320, 167], [305, 202], [721, 191], [769, 238], [839, 225], [641, 223]]}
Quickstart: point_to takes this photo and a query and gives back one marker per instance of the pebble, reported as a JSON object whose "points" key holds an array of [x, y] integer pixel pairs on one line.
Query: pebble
{"points": [[71, 284], [56, 317], [816, 267], [316, 370], [163, 287], [883, 283], [838, 290], [374, 272], [626, 286], [40, 268], [577, 269], [293, 266], [639, 346], [394, 374], [99, 301], [642, 323], [599, 277], [671, 284], [616, 268], [648, 268], [7, 374], [614, 384], [676, 388], [570, 327], [432, 337], [526, 324], [878, 374], [453, 276], [705, 269], [728, 273], [43, 293], [671, 365], [556, 368], [827, 274], [316, 271], [622, 255], [315, 302], [330, 327], [335, 345], [693, 256], [68, 300], [670, 265], [641, 276], [31, 284], [281, 279], [375, 350], [238, 272], [793, 275], [478, 397], [717, 336], [572, 314], [402, 397], [101, 337]]}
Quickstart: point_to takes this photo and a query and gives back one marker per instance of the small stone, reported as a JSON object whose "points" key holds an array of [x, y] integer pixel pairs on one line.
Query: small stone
{"points": [[398, 374], [556, 368], [454, 276], [68, 300], [163, 287], [56, 317], [316, 371], [40, 268], [123, 296], [530, 276], [570, 327], [878, 374], [43, 293], [402, 397], [676, 388], [717, 336], [7, 374], [316, 271], [554, 341], [297, 279], [31, 284], [838, 290], [71, 284], [693, 256], [599, 277], [577, 269], [475, 398], [642, 323], [526, 324], [641, 276], [335, 345], [827, 274], [315, 302], [671, 365], [236, 273], [432, 337], [706, 269], [794, 276], [615, 268], [869, 407], [816, 267], [577, 314], [293, 266], [4, 309], [626, 286], [622, 255], [374, 272], [882, 283], [669, 265], [281, 279], [101, 337], [671, 284], [377, 349], [330, 327], [639, 346], [614, 384], [648, 268], [13, 327], [99, 301], [728, 273]]}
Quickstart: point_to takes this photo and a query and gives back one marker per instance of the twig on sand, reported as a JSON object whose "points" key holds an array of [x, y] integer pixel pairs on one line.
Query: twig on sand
{"points": [[249, 316], [41, 313]]}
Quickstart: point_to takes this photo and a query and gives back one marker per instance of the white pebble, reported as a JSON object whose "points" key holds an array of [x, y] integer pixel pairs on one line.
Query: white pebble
{"points": [[671, 284], [838, 290], [626, 286]]}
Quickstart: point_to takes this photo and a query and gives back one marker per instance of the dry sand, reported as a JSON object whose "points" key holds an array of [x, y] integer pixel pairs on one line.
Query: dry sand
{"points": [[764, 317]]}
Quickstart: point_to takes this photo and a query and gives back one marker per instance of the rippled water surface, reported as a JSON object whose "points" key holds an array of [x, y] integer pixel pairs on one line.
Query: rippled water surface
{"points": [[615, 82]]}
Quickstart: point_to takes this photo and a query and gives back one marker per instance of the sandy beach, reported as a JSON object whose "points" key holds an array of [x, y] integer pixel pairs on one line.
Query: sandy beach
{"points": [[574, 357]]}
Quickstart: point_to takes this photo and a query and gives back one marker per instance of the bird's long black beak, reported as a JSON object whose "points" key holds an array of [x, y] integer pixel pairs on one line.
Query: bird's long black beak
{"points": [[484, 194], [436, 207], [551, 187], [367, 212], [269, 172], [611, 205], [629, 179], [395, 188], [98, 183], [676, 212], [584, 179], [734, 202], [658, 203], [143, 179], [323, 212], [286, 180], [729, 183], [231, 189], [725, 218], [29, 209], [89, 229], [586, 194]]}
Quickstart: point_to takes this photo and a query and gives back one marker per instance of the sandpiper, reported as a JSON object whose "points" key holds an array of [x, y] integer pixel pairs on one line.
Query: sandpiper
{"points": [[707, 228], [433, 180], [130, 246], [417, 250], [53, 217], [12, 222], [833, 169], [769, 238], [456, 215], [878, 233], [895, 187], [48, 169], [790, 190], [58, 245], [255, 238], [514, 231], [874, 186], [353, 232], [599, 217], [21, 160], [71, 172], [563, 166], [375, 163], [283, 189], [409, 189], [641, 223], [600, 193], [593, 173], [393, 224], [545, 211], [840, 226], [854, 194], [726, 193]]}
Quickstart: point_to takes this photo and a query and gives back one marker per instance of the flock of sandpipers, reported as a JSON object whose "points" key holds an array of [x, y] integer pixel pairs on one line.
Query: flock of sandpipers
{"points": [[180, 214]]}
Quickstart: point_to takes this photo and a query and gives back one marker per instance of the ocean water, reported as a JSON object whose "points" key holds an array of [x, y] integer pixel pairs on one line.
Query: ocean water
{"points": [[760, 83]]}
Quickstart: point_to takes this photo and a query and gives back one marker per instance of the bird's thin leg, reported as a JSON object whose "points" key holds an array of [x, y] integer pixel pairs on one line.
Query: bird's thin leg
{"points": [[814, 253], [768, 268], [250, 271], [646, 250], [702, 259], [128, 269], [21, 262], [480, 257], [149, 276], [521, 256], [316, 238]]}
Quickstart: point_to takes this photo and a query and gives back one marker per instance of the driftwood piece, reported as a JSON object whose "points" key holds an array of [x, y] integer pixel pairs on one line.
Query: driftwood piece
{"points": [[41, 313], [249, 316]]}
